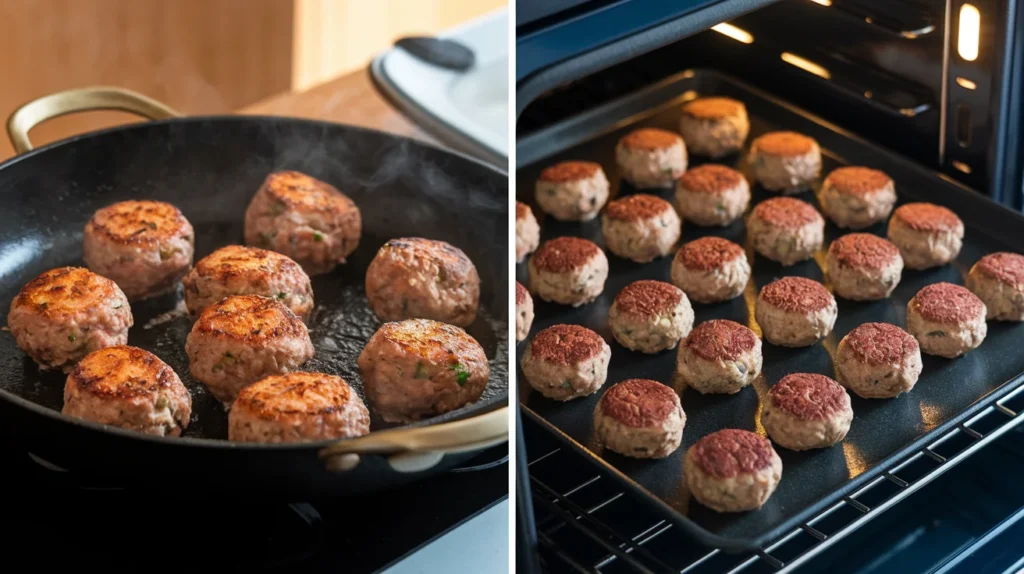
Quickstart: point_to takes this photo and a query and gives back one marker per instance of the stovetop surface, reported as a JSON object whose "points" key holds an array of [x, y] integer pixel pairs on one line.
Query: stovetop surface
{"points": [[52, 517]]}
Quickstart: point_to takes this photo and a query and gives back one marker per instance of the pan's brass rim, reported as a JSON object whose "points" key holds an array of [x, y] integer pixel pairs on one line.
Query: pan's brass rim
{"points": [[475, 433], [78, 100]]}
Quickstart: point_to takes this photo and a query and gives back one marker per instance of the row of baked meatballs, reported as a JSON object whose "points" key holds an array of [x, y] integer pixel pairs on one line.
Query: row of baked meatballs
{"points": [[250, 304]]}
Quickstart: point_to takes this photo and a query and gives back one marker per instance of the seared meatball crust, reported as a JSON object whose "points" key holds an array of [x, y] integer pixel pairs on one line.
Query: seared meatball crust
{"points": [[419, 368], [304, 218], [417, 278]]}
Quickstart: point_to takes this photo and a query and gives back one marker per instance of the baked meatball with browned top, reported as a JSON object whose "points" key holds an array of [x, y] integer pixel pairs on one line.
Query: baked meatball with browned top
{"points": [[786, 230], [711, 269], [239, 270], [640, 227], [304, 218], [807, 410], [651, 157], [65, 313], [878, 361], [863, 267], [524, 312], [795, 312], [297, 407], [416, 278], [732, 470], [572, 190], [639, 418], [712, 194], [527, 231], [785, 162], [242, 339], [719, 357], [927, 235], [998, 280], [145, 247], [568, 271], [130, 388], [419, 368], [714, 127], [650, 316], [565, 362], [856, 197], [947, 320]]}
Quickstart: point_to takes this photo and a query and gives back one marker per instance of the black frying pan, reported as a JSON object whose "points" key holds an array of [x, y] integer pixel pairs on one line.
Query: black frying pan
{"points": [[210, 167]]}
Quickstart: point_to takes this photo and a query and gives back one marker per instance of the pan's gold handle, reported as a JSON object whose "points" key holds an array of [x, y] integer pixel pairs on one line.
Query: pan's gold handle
{"points": [[411, 450], [48, 107]]}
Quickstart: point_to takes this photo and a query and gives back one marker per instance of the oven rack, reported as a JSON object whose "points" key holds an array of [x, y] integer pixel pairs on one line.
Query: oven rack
{"points": [[575, 508]]}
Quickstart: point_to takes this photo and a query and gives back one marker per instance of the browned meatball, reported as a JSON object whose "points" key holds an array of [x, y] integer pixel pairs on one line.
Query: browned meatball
{"points": [[238, 270], [129, 388], [242, 339], [65, 313], [297, 407], [304, 218], [419, 368], [146, 247], [416, 278]]}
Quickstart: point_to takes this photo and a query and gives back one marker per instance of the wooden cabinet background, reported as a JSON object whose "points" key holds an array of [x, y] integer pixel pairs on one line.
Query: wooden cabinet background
{"points": [[198, 56]]}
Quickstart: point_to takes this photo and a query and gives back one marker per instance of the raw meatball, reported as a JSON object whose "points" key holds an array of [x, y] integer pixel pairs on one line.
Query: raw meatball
{"points": [[416, 278], [639, 418], [304, 218], [732, 470], [130, 388], [524, 312], [145, 247], [806, 411], [863, 267], [856, 197], [419, 368], [878, 361], [719, 357], [947, 320], [640, 227], [650, 157], [565, 362], [714, 127], [238, 270], [297, 407], [242, 339], [65, 313], [568, 270], [927, 235], [786, 230], [711, 269], [998, 280], [712, 194], [786, 162], [650, 316], [527, 231], [795, 312], [572, 190]]}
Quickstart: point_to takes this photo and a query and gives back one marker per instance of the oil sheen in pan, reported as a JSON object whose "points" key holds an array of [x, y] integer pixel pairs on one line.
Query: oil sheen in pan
{"points": [[880, 427]]}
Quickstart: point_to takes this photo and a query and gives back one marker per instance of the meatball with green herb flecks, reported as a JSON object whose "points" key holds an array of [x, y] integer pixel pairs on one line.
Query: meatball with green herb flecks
{"points": [[239, 270], [304, 218], [145, 247], [419, 368], [242, 339]]}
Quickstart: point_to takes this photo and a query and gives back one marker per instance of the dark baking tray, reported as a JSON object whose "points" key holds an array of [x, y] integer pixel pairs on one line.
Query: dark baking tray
{"points": [[884, 432]]}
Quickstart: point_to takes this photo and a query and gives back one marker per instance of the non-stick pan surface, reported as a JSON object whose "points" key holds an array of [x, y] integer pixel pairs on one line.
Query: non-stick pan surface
{"points": [[210, 168], [883, 431]]}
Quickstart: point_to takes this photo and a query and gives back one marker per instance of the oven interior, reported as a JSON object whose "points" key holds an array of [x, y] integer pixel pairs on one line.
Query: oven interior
{"points": [[936, 81]]}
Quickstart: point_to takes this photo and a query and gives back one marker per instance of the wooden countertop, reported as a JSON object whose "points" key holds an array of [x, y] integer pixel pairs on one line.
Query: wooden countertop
{"points": [[349, 99]]}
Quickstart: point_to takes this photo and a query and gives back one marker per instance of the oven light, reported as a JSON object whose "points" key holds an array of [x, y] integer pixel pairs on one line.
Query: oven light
{"points": [[738, 34], [962, 166], [970, 28], [966, 84], [823, 2], [806, 65]]}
